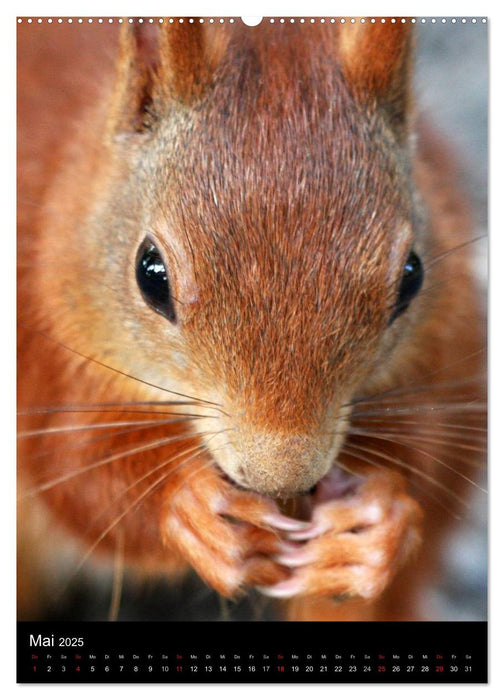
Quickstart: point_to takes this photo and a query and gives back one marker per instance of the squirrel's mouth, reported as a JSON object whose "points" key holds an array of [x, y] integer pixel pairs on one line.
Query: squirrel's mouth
{"points": [[337, 483]]}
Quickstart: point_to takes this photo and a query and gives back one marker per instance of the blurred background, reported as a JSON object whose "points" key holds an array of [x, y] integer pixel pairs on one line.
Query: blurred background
{"points": [[452, 89]]}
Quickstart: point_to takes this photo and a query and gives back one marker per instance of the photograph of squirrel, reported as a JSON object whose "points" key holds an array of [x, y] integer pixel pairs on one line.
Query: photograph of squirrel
{"points": [[251, 341]]}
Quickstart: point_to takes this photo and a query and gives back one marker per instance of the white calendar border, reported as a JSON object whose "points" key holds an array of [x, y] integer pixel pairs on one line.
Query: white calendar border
{"points": [[226, 8]]}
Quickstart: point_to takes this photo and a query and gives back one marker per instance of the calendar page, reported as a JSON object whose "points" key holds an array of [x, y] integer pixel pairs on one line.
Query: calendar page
{"points": [[252, 349]]}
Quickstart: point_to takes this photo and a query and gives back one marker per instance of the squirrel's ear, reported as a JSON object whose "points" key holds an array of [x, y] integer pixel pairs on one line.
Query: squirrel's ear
{"points": [[156, 63], [376, 61], [137, 68], [184, 67]]}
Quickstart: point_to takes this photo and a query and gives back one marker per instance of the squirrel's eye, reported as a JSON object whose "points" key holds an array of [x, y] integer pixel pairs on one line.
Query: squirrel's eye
{"points": [[411, 284], [152, 280]]}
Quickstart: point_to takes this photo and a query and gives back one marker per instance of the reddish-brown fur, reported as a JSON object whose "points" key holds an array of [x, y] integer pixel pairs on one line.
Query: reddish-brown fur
{"points": [[279, 180]]}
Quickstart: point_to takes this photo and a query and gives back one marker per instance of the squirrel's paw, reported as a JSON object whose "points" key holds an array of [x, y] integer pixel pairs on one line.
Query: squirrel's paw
{"points": [[228, 535], [355, 544]]}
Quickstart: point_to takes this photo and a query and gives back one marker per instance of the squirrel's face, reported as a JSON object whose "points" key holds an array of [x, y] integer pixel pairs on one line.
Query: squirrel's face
{"points": [[273, 242]]}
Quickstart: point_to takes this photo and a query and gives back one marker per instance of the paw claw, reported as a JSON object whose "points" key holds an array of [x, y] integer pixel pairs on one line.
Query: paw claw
{"points": [[297, 558], [282, 522], [285, 589], [309, 533]]}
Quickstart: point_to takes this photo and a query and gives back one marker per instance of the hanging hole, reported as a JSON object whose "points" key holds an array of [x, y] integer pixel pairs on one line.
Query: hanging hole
{"points": [[251, 21]]}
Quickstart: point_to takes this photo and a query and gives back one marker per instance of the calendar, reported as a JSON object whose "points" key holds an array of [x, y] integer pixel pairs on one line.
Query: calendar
{"points": [[265, 653]]}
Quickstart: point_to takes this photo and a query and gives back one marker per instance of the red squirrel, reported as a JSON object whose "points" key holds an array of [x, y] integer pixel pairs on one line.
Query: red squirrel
{"points": [[251, 342]]}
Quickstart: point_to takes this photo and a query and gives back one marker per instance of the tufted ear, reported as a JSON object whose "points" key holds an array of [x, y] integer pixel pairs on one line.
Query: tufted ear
{"points": [[156, 63], [184, 64], [376, 60]]}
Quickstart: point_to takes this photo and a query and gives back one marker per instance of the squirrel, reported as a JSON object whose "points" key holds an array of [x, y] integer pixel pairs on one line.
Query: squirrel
{"points": [[251, 340]]}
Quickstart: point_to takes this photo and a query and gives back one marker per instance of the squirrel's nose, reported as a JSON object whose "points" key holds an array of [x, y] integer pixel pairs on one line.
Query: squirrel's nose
{"points": [[280, 466]]}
